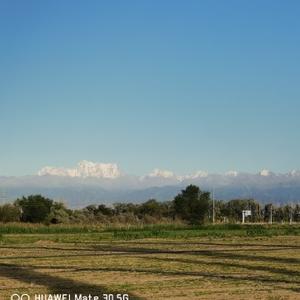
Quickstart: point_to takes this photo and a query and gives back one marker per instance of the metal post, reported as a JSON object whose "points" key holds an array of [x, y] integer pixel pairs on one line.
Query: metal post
{"points": [[213, 208]]}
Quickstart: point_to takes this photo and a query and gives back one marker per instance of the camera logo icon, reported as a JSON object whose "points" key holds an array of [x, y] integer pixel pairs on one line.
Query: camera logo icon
{"points": [[19, 297]]}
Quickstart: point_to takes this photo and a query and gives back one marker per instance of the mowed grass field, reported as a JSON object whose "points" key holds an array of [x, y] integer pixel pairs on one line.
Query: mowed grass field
{"points": [[152, 263]]}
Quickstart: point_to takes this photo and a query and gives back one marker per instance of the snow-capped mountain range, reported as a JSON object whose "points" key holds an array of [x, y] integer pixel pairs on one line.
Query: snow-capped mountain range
{"points": [[88, 169], [92, 183], [85, 169]]}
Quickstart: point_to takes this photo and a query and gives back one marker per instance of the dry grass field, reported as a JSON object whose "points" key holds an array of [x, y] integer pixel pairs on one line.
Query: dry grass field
{"points": [[238, 267]]}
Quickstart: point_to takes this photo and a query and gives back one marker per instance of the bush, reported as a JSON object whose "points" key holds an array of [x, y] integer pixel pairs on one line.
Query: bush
{"points": [[58, 216], [9, 213]]}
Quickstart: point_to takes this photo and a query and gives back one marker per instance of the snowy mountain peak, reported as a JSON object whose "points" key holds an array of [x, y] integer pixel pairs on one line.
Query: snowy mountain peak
{"points": [[162, 173], [294, 173], [265, 173], [85, 169], [198, 174], [232, 173]]}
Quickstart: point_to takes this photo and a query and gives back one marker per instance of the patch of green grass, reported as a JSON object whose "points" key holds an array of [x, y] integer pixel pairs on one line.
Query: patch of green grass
{"points": [[214, 231], [152, 231], [258, 230], [25, 228]]}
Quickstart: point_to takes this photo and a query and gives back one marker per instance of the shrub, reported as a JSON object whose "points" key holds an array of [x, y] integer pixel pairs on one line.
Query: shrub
{"points": [[9, 213]]}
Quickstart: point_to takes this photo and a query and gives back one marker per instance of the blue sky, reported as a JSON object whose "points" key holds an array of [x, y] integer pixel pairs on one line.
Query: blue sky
{"points": [[180, 85]]}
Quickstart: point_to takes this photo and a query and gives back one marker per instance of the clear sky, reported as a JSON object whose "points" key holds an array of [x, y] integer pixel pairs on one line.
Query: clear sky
{"points": [[180, 85]]}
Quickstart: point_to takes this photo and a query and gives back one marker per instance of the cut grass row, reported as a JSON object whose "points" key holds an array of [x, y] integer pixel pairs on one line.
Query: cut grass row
{"points": [[198, 268]]}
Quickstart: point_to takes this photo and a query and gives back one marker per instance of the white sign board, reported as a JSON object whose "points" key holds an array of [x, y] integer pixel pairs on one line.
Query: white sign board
{"points": [[247, 213]]}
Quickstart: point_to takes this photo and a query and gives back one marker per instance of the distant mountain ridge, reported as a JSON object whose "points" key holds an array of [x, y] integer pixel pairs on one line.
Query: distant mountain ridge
{"points": [[92, 183]]}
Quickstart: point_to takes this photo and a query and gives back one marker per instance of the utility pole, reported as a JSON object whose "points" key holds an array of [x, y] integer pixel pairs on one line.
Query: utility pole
{"points": [[291, 214], [213, 208], [271, 214]]}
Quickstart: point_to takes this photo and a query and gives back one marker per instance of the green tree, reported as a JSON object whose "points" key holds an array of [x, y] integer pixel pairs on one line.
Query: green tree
{"points": [[125, 208], [268, 209], [34, 208], [192, 204], [233, 210], [152, 208], [296, 213], [104, 210]]}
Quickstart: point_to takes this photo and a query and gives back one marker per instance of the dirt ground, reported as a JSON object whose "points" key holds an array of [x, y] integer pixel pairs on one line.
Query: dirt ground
{"points": [[202, 268]]}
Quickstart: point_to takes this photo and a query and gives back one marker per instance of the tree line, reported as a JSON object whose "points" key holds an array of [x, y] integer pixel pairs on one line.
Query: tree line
{"points": [[191, 205]]}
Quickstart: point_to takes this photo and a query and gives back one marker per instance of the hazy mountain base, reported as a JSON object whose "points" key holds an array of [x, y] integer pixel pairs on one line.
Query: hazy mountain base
{"points": [[80, 192]]}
